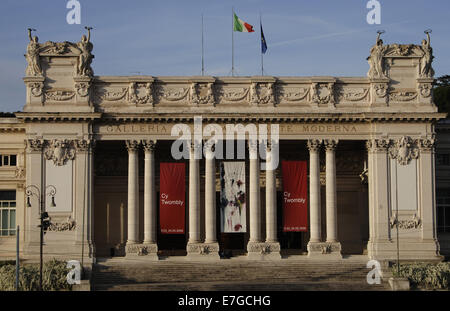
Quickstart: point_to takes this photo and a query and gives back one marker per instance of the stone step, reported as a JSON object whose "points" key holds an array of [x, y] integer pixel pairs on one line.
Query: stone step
{"points": [[236, 275]]}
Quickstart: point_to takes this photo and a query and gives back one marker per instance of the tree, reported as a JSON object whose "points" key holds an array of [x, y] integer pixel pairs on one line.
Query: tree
{"points": [[442, 93]]}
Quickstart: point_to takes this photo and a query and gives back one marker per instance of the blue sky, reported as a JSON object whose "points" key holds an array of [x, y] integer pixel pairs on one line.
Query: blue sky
{"points": [[304, 37]]}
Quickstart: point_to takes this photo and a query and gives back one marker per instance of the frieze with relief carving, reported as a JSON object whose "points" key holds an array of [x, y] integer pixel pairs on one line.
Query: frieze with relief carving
{"points": [[60, 151], [59, 95], [352, 94], [104, 94], [291, 94]]}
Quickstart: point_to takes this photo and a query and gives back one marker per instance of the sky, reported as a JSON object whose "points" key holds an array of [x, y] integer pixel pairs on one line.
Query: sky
{"points": [[162, 38]]}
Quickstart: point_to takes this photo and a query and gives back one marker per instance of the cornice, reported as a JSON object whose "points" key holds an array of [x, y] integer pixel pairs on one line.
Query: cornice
{"points": [[57, 116]]}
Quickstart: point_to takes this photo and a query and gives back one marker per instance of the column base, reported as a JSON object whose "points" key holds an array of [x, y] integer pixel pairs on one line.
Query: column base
{"points": [[328, 250], [149, 251], [203, 251], [263, 251]]}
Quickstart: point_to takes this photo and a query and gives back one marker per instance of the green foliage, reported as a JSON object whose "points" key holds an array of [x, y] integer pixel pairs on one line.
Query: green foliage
{"points": [[441, 93], [426, 275], [54, 275], [7, 262]]}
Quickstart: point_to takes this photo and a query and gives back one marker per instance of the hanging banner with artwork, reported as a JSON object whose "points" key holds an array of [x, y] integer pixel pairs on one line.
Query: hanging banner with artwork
{"points": [[232, 197], [295, 191], [172, 198]]}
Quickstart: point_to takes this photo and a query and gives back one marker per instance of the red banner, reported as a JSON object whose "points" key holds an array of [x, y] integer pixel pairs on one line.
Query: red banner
{"points": [[295, 190], [172, 198]]}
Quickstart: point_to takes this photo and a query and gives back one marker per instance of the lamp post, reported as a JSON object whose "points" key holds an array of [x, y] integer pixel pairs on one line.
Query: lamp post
{"points": [[40, 194]]}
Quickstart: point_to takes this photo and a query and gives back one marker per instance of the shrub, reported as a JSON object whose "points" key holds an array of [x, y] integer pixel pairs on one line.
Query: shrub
{"points": [[7, 262], [426, 275], [54, 274]]}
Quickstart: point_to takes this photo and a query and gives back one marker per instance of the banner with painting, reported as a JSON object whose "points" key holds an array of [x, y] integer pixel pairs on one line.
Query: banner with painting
{"points": [[295, 191], [172, 198], [232, 197]]}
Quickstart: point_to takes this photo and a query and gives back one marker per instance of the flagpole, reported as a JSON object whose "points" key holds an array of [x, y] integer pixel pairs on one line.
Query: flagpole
{"points": [[203, 52], [262, 54], [232, 41]]}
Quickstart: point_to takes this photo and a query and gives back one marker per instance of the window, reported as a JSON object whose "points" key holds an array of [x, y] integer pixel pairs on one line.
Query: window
{"points": [[443, 210], [7, 213], [8, 160]]}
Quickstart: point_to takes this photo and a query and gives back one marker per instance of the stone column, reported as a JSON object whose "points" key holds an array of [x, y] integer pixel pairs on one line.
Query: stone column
{"points": [[34, 176], [150, 229], [333, 246], [211, 246], [133, 196], [194, 243], [379, 206], [272, 244], [314, 244], [255, 244], [254, 198]]}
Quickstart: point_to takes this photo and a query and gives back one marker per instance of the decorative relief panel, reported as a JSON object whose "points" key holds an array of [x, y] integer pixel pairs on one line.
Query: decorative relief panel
{"points": [[323, 94], [141, 93], [59, 95], [403, 96], [404, 150], [105, 94], [352, 94], [60, 151], [291, 94], [413, 223]]}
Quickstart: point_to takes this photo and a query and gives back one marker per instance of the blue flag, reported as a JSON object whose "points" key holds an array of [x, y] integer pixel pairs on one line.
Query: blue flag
{"points": [[263, 42]]}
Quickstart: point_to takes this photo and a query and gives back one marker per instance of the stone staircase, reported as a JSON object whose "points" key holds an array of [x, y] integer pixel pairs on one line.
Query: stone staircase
{"points": [[237, 274]]}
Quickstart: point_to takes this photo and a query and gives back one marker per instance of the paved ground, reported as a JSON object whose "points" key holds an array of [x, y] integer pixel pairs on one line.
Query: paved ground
{"points": [[237, 274]]}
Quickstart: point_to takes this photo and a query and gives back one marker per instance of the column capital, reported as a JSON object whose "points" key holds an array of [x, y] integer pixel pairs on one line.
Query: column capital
{"points": [[330, 144], [83, 145], [35, 144], [378, 145], [426, 144], [149, 145], [314, 144], [132, 145]]}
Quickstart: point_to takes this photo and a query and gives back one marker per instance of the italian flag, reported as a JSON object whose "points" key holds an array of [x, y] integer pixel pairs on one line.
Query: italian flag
{"points": [[241, 26]]}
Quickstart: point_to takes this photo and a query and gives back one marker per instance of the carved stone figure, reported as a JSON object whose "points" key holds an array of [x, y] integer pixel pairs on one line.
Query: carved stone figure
{"points": [[32, 56], [85, 59], [427, 58], [376, 60]]}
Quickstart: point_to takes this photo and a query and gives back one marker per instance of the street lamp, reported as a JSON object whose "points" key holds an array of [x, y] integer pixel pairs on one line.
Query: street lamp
{"points": [[33, 190]]}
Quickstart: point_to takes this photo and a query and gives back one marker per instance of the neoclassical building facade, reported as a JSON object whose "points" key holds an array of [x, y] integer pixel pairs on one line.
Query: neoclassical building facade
{"points": [[369, 144]]}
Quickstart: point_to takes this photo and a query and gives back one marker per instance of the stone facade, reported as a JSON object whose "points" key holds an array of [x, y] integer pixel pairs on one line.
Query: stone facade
{"points": [[69, 111]]}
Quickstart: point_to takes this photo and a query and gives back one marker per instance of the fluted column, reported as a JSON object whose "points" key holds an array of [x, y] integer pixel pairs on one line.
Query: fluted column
{"points": [[210, 194], [271, 194], [133, 192], [255, 204], [314, 190], [194, 195], [149, 193]]}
